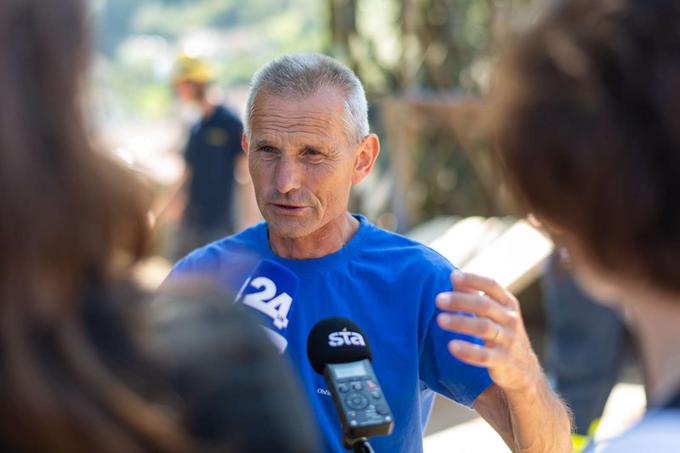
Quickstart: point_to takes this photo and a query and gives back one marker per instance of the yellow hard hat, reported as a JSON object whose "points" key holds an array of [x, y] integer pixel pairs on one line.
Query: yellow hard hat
{"points": [[192, 69]]}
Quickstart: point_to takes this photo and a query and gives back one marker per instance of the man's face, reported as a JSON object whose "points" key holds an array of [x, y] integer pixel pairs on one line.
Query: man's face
{"points": [[186, 91], [300, 161]]}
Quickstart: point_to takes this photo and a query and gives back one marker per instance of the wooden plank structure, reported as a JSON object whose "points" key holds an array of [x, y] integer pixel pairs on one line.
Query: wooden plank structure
{"points": [[507, 249]]}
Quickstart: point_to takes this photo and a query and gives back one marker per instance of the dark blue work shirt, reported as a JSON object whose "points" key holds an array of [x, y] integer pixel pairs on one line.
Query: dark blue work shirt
{"points": [[213, 146]]}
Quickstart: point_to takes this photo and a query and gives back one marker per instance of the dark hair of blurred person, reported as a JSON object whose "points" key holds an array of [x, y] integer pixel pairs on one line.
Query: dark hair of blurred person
{"points": [[85, 364], [588, 130]]}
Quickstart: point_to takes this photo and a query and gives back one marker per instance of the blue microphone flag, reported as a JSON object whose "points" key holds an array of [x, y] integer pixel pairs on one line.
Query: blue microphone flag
{"points": [[269, 291]]}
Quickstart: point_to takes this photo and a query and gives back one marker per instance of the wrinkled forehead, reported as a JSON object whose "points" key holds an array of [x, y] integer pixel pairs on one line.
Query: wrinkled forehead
{"points": [[319, 116]]}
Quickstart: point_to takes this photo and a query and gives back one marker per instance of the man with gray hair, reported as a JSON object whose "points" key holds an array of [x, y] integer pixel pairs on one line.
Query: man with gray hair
{"points": [[308, 142]]}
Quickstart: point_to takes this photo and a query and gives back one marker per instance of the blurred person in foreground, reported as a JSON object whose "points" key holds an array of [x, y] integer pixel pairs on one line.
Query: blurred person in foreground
{"points": [[212, 155], [308, 143], [87, 362], [588, 127], [584, 346]]}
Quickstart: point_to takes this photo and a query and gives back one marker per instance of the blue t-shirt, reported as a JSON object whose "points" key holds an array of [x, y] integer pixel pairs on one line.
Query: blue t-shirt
{"points": [[386, 284]]}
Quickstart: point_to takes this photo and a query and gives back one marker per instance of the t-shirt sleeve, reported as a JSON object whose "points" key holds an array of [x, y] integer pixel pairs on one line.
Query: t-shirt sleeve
{"points": [[198, 265], [223, 267], [182, 268], [439, 370]]}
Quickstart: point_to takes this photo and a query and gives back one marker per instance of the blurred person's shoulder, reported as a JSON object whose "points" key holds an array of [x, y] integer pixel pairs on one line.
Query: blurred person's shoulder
{"points": [[109, 312], [192, 352], [230, 379], [658, 431]]}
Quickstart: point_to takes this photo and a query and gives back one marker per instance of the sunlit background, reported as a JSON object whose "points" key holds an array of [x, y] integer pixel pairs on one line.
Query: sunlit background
{"points": [[416, 58]]}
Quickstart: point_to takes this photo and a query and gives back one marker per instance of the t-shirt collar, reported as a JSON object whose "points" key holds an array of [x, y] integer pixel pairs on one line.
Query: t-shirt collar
{"points": [[325, 262]]}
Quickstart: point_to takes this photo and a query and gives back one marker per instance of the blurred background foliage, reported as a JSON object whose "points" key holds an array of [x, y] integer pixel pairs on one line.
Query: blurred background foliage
{"points": [[393, 45], [138, 42], [399, 48]]}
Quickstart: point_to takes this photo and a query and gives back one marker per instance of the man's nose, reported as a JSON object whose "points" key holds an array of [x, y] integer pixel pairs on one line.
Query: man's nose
{"points": [[288, 175]]}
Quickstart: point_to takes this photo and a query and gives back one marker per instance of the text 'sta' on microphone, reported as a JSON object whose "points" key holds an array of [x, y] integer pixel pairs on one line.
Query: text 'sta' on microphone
{"points": [[337, 349], [269, 292]]}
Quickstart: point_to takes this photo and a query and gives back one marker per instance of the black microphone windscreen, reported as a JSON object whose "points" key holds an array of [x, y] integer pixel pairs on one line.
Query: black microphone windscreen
{"points": [[336, 340]]}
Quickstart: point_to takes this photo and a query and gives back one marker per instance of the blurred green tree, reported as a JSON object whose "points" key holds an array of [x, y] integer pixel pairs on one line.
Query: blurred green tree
{"points": [[402, 45], [138, 40], [430, 58]]}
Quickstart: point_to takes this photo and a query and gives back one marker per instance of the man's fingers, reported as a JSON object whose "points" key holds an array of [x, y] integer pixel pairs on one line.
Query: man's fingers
{"points": [[474, 303], [474, 354], [464, 281], [477, 327]]}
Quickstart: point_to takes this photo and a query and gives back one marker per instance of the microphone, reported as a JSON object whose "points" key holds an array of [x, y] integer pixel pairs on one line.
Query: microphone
{"points": [[337, 349], [269, 293]]}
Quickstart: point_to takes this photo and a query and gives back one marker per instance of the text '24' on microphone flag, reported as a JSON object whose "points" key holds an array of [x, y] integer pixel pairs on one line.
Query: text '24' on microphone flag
{"points": [[269, 292]]}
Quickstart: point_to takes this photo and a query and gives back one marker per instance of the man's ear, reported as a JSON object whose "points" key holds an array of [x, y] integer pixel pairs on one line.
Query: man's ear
{"points": [[244, 142], [369, 149]]}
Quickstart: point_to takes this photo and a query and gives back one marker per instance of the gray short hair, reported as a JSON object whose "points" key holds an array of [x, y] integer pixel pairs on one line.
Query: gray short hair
{"points": [[302, 75]]}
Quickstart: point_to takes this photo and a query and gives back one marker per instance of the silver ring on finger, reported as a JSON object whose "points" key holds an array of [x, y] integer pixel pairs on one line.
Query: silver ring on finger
{"points": [[498, 333]]}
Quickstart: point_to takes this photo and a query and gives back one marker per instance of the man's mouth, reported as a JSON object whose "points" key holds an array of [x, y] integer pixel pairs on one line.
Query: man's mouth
{"points": [[288, 209]]}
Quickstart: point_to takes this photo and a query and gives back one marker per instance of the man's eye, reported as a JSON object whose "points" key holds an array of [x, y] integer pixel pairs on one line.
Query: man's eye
{"points": [[314, 154], [267, 153]]}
